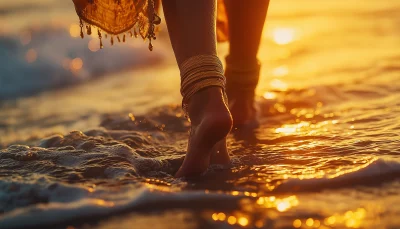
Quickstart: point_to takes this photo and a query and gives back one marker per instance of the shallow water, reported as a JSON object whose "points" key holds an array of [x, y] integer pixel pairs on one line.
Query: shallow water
{"points": [[102, 152]]}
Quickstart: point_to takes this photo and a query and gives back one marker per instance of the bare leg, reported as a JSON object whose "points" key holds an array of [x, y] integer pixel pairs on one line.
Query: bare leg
{"points": [[191, 25], [246, 22]]}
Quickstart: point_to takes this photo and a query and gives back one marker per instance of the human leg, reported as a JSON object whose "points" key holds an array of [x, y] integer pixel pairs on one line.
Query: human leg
{"points": [[246, 22], [191, 25]]}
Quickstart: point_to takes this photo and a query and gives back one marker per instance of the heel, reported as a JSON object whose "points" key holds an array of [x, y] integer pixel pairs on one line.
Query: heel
{"points": [[216, 128]]}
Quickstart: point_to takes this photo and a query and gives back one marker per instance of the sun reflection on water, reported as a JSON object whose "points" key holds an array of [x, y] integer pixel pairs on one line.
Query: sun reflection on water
{"points": [[256, 214], [269, 95], [262, 203], [297, 223], [280, 71], [279, 85], [341, 171], [283, 36], [350, 219], [232, 220], [292, 128], [104, 203], [304, 127], [281, 204]]}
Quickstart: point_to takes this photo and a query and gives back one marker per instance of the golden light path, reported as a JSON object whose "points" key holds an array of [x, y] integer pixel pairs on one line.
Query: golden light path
{"points": [[348, 219], [305, 127], [263, 205], [263, 202], [292, 128], [268, 205]]}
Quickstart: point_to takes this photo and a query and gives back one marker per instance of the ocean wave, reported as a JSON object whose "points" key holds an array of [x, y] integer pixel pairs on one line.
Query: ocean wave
{"points": [[43, 58], [376, 172], [66, 203], [100, 203]]}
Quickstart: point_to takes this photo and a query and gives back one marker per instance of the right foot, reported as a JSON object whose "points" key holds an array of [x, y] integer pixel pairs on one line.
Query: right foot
{"points": [[211, 122]]}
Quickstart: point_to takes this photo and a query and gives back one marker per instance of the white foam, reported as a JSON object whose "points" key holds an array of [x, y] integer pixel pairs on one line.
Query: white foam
{"points": [[130, 199], [376, 171], [55, 49]]}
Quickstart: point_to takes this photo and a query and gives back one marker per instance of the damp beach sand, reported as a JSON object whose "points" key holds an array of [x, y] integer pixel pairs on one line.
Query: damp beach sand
{"points": [[90, 142]]}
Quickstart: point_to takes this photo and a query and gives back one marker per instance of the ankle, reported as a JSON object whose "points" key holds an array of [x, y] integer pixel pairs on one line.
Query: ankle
{"points": [[208, 101]]}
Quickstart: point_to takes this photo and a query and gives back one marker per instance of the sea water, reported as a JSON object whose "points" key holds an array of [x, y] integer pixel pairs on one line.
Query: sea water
{"points": [[92, 138]]}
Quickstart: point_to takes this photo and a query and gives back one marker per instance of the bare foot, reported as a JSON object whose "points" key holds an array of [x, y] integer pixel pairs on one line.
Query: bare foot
{"points": [[211, 122], [220, 154], [241, 105]]}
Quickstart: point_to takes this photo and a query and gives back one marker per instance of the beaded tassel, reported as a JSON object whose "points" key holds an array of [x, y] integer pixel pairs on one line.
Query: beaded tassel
{"points": [[99, 34], [89, 30], [154, 20], [81, 25], [150, 45]]}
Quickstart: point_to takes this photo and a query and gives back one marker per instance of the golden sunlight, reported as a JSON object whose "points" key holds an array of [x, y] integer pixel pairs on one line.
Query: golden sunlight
{"points": [[243, 221], [350, 219], [292, 128], [269, 95], [310, 222], [221, 216], [104, 203], [232, 220], [281, 204], [297, 223], [279, 85], [280, 71], [283, 36]]}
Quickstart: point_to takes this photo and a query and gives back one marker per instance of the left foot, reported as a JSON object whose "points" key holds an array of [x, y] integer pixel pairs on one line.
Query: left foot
{"points": [[243, 110], [240, 88], [211, 122]]}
